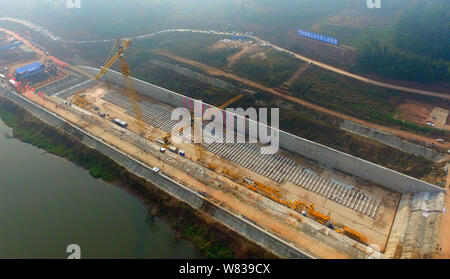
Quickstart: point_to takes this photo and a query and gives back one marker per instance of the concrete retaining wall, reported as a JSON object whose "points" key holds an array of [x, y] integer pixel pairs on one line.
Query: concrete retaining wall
{"points": [[392, 141], [320, 153], [245, 228], [191, 74]]}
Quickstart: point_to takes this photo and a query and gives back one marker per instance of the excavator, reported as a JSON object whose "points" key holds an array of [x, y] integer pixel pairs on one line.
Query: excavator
{"points": [[199, 152], [115, 54]]}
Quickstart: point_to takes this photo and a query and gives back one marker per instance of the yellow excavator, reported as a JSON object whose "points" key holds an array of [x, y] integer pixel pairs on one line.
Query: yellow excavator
{"points": [[115, 54]]}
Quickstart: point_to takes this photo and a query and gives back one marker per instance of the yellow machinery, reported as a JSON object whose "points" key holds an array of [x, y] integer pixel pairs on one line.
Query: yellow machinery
{"points": [[211, 166], [167, 137], [267, 190], [198, 146], [231, 174], [117, 54], [352, 234], [323, 219], [81, 102], [272, 193], [298, 205]]}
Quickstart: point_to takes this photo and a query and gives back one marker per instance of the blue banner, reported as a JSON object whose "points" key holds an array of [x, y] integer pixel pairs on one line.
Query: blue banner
{"points": [[318, 37]]}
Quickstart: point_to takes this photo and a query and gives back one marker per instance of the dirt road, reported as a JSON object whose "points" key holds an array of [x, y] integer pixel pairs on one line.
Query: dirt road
{"points": [[444, 231], [235, 58], [357, 77], [216, 72], [298, 56]]}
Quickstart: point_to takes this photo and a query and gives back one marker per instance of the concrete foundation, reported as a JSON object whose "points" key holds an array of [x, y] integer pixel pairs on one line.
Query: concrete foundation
{"points": [[195, 200], [317, 152]]}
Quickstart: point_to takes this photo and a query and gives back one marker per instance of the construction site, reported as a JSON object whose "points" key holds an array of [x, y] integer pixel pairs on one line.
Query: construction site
{"points": [[320, 201]]}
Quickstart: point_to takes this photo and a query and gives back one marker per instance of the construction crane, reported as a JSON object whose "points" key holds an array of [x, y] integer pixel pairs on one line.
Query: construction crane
{"points": [[198, 146], [115, 54]]}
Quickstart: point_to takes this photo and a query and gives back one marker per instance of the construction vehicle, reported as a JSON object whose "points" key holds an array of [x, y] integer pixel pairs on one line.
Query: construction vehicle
{"points": [[115, 54], [352, 234], [211, 166], [266, 190], [81, 101], [198, 146], [323, 219], [173, 149], [167, 137]]}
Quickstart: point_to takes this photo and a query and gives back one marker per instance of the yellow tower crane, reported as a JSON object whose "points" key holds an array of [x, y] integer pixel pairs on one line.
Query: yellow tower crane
{"points": [[198, 146], [199, 152], [117, 54]]}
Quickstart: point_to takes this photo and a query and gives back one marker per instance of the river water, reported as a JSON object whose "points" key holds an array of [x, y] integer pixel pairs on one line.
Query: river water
{"points": [[48, 203]]}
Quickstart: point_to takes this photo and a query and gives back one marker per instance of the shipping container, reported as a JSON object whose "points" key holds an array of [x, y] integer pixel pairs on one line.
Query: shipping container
{"points": [[120, 123]]}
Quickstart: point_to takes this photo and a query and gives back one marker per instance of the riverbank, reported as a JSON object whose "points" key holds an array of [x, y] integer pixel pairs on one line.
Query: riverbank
{"points": [[213, 239]]}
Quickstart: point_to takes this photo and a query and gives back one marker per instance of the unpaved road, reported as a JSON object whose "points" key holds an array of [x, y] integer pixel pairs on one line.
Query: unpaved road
{"points": [[235, 58], [298, 56], [216, 72], [297, 74], [444, 231], [364, 79]]}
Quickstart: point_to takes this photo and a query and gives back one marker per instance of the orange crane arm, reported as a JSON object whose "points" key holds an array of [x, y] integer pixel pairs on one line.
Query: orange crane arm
{"points": [[116, 56], [227, 103], [132, 95]]}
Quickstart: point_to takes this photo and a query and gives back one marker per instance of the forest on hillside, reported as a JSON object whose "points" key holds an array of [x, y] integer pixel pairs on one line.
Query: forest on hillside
{"points": [[394, 64], [404, 39], [419, 47]]}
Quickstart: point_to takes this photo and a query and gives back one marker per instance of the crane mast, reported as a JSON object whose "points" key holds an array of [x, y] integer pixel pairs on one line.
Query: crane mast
{"points": [[131, 91]]}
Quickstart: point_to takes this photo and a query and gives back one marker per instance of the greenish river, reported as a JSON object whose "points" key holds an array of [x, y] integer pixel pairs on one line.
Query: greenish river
{"points": [[47, 203]]}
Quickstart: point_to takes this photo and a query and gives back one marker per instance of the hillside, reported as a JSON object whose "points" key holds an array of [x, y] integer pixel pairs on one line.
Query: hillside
{"points": [[408, 38]]}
